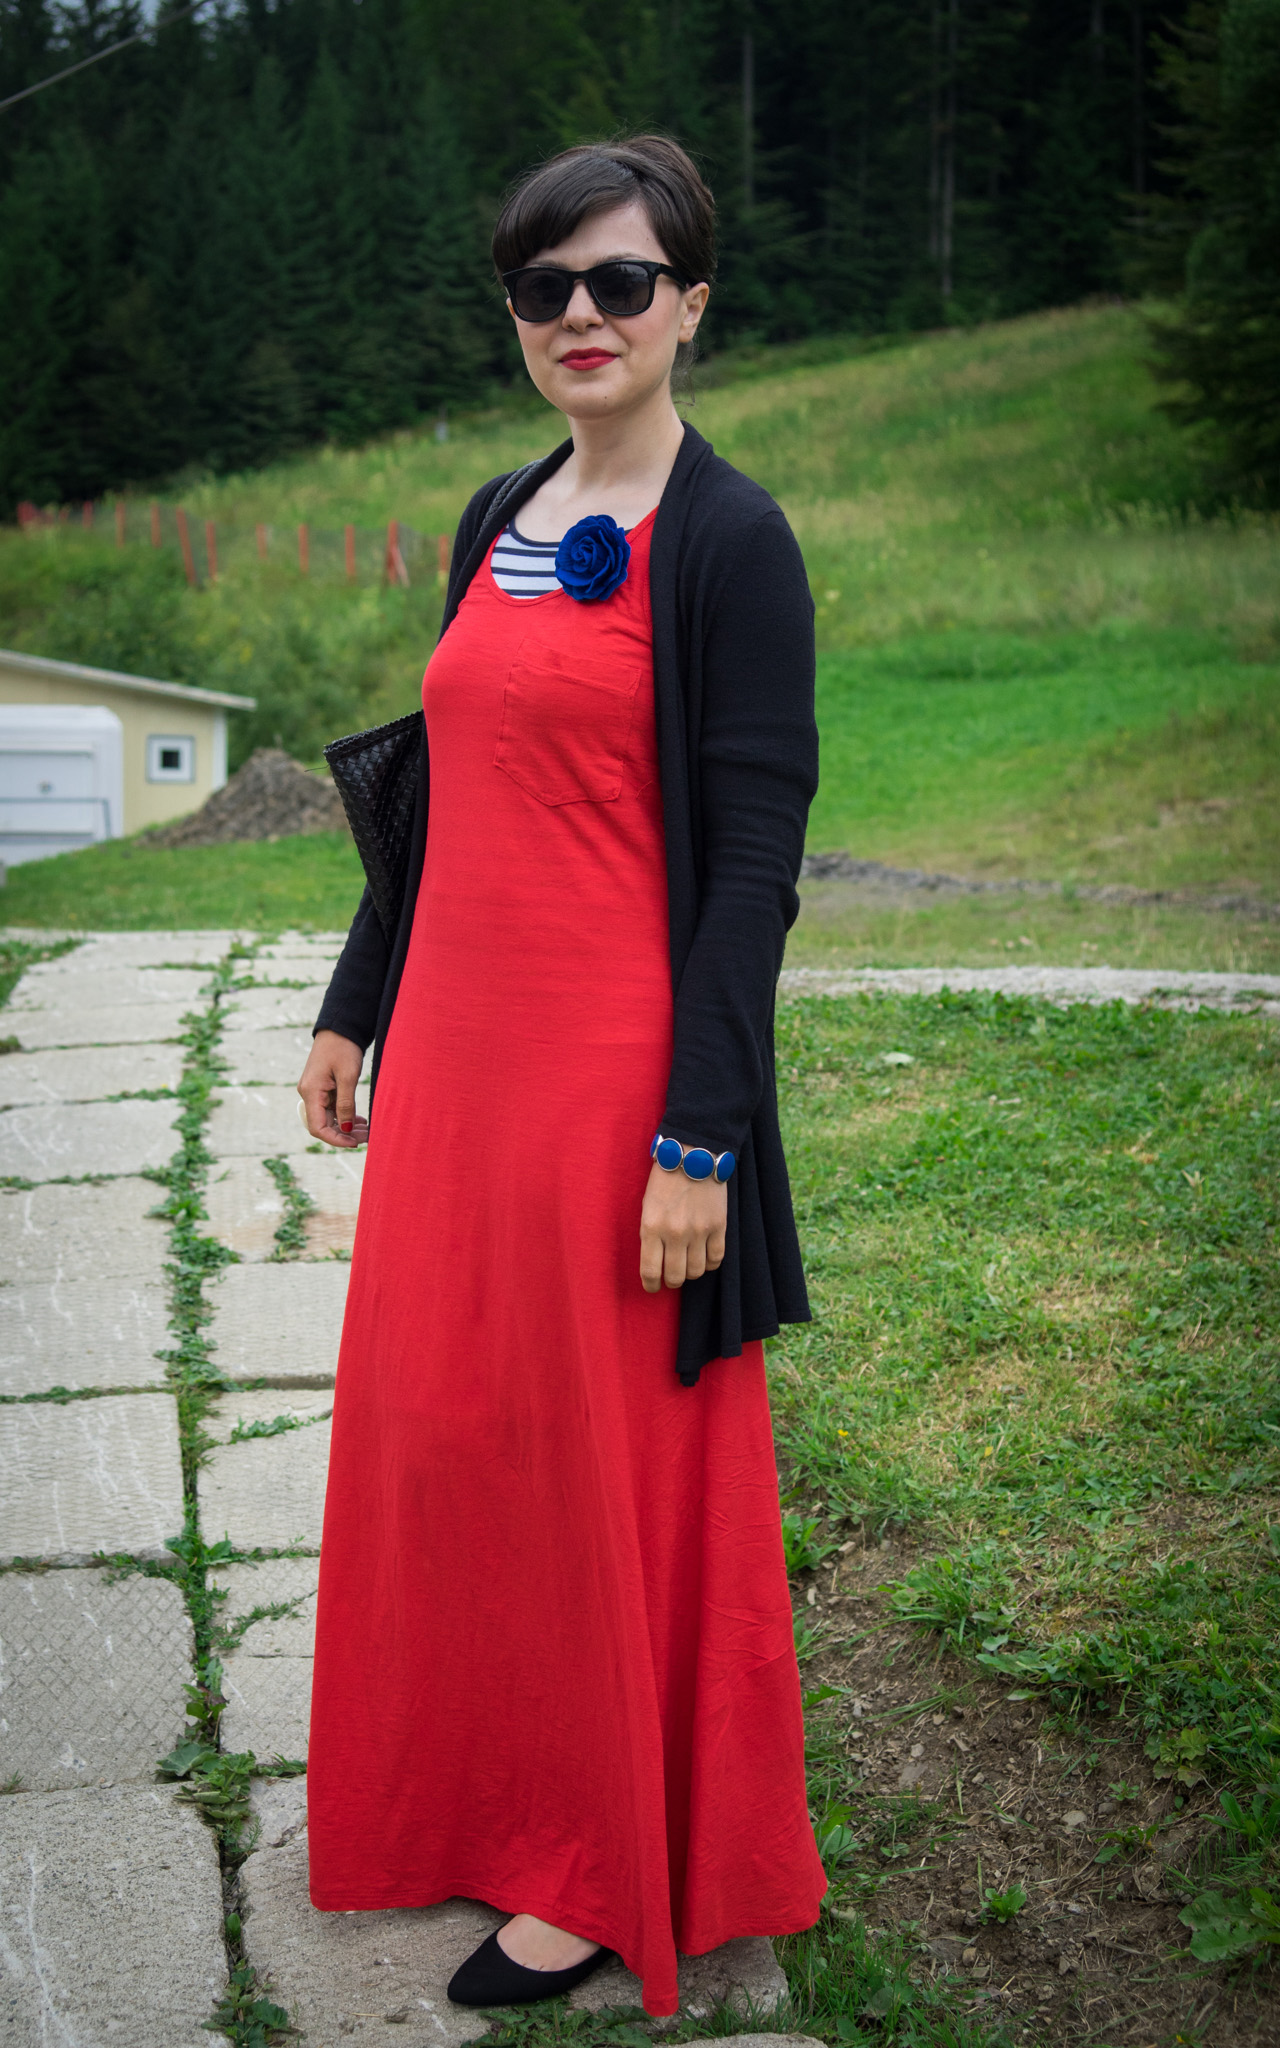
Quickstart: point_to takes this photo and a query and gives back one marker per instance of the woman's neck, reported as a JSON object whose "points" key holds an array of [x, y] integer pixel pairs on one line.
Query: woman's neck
{"points": [[618, 466]]}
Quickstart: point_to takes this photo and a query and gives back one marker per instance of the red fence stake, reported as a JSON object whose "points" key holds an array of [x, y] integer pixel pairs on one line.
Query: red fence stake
{"points": [[304, 551], [211, 549], [349, 551], [395, 568], [443, 551], [119, 522], [184, 542], [155, 524], [260, 535], [86, 512]]}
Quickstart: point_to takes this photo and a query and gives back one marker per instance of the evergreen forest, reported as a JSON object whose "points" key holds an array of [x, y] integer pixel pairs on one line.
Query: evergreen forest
{"points": [[264, 224]]}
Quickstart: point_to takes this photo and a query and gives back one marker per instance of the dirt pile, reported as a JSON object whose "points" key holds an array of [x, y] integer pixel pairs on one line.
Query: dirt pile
{"points": [[271, 797]]}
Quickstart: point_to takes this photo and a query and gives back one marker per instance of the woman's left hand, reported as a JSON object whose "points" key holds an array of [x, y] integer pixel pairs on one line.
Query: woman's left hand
{"points": [[682, 1226]]}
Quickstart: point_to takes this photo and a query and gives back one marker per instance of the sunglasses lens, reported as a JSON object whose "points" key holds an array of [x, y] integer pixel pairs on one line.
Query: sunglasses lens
{"points": [[622, 288], [541, 294]]}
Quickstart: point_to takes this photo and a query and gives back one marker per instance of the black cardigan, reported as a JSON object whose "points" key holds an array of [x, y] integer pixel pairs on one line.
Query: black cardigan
{"points": [[733, 665]]}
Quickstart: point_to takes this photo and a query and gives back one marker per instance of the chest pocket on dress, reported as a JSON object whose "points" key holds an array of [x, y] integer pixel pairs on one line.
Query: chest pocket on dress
{"points": [[564, 733]]}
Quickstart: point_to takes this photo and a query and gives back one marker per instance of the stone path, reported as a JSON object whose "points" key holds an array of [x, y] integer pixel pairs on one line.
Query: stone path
{"points": [[113, 1900], [1059, 985], [112, 1896]]}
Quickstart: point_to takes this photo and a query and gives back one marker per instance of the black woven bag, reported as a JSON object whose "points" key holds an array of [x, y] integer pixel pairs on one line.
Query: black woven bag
{"points": [[376, 773]]}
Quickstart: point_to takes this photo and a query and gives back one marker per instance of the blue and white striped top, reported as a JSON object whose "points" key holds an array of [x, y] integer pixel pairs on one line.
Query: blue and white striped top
{"points": [[524, 568]]}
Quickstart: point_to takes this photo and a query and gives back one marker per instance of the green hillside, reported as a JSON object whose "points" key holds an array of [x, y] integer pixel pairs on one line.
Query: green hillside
{"points": [[1034, 658]]}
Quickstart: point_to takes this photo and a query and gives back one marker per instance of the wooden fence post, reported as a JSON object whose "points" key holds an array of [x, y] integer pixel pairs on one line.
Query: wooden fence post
{"points": [[184, 542], [260, 535], [119, 522], [211, 549], [155, 524], [304, 550], [349, 550], [395, 568], [443, 552]]}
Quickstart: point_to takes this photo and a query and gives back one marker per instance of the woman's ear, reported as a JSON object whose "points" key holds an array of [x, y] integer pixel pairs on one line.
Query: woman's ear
{"points": [[695, 305]]}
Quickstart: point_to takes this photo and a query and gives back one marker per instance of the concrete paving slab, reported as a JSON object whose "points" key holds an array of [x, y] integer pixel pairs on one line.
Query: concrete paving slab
{"points": [[267, 1677], [91, 1677], [303, 942], [273, 970], [269, 1009], [123, 1024], [743, 1974], [102, 987], [281, 1323], [88, 1476], [347, 1974], [341, 1974], [81, 1333], [273, 1057], [151, 949], [245, 1206], [52, 1140], [87, 1073], [256, 1123], [111, 1909], [266, 1493], [82, 1232]]}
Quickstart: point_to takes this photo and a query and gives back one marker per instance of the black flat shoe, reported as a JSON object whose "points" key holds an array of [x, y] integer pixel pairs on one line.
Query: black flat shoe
{"points": [[490, 1977]]}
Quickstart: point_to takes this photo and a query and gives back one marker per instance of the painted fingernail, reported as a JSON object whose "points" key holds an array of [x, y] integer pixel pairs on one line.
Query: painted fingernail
{"points": [[347, 1128]]}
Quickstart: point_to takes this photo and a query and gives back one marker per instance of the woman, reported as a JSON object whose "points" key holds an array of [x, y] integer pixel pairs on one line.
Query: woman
{"points": [[554, 1661]]}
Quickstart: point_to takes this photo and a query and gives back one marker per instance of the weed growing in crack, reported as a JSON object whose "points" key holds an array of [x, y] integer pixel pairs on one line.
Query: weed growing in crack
{"points": [[279, 1425], [16, 955], [291, 1231], [242, 2013], [214, 1781]]}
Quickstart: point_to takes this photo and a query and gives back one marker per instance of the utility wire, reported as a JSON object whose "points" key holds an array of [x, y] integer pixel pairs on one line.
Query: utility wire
{"points": [[98, 56]]}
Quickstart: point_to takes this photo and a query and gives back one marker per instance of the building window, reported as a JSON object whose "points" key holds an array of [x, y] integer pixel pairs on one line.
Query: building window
{"points": [[169, 759]]}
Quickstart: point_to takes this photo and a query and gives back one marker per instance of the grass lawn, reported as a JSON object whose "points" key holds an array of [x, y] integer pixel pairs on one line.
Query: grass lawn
{"points": [[310, 883], [1043, 1366]]}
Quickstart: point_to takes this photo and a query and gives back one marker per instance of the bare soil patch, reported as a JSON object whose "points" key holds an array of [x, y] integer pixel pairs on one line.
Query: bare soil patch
{"points": [[987, 1790], [870, 881]]}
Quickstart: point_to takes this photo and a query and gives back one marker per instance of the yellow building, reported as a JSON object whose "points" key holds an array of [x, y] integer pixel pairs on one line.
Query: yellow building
{"points": [[174, 736]]}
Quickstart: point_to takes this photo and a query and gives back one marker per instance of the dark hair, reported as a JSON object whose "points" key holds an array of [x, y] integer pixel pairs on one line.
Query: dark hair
{"points": [[547, 206]]}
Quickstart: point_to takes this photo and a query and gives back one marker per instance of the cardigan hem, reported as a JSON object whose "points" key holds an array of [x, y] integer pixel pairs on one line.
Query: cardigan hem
{"points": [[689, 1374]]}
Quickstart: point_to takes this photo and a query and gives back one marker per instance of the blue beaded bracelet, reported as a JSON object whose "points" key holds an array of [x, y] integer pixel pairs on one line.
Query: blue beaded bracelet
{"points": [[696, 1162]]}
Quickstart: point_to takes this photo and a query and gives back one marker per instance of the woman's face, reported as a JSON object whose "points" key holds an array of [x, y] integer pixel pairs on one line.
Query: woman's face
{"points": [[589, 364]]}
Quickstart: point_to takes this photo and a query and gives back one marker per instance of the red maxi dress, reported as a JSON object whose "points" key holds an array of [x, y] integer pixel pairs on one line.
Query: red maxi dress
{"points": [[554, 1663]]}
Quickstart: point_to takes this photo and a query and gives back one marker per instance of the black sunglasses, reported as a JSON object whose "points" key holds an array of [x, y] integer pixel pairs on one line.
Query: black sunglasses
{"points": [[623, 287]]}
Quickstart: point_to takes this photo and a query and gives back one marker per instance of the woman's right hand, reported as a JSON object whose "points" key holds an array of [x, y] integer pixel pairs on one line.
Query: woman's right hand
{"points": [[328, 1091]]}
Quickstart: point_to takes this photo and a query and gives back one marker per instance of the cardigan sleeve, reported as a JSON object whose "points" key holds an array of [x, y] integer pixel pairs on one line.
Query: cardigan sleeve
{"points": [[353, 998], [757, 770]]}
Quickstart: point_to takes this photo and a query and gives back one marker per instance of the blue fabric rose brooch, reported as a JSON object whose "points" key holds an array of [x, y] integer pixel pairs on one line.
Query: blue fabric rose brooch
{"points": [[592, 559]]}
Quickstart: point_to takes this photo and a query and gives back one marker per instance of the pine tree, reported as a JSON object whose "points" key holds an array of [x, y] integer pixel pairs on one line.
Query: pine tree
{"points": [[1222, 349]]}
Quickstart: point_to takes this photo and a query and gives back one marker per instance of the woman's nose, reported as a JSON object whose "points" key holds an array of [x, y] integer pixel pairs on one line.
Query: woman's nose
{"points": [[582, 310]]}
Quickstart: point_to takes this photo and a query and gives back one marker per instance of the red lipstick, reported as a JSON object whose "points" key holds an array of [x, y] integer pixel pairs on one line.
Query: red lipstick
{"points": [[587, 358]]}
